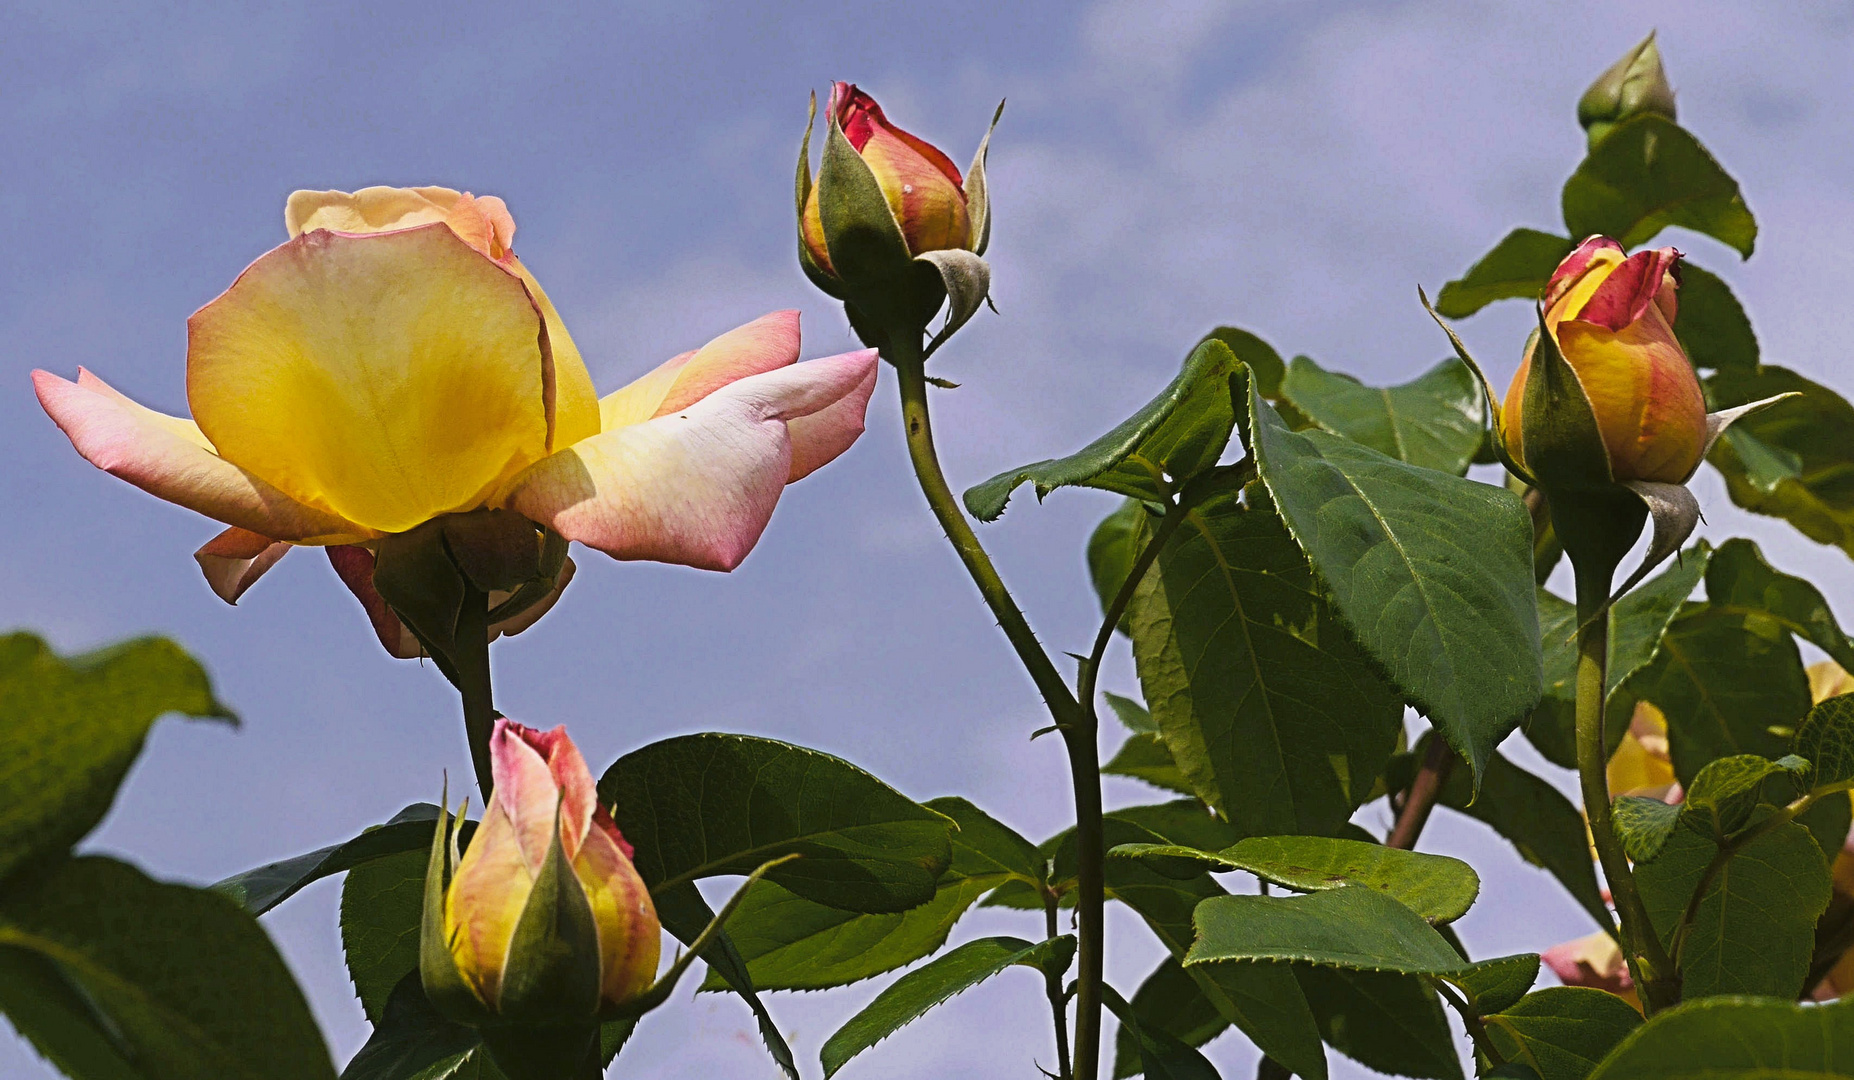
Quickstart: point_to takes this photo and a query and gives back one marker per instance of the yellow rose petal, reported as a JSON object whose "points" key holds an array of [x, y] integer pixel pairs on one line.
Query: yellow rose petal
{"points": [[386, 378]]}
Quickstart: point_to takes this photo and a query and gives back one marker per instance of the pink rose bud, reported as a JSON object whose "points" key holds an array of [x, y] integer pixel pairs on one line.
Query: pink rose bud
{"points": [[922, 185], [544, 839], [1612, 318]]}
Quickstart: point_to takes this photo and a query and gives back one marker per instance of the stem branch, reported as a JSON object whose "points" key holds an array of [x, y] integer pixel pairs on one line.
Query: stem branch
{"points": [[1654, 969], [472, 660], [1438, 763], [1058, 1000], [1076, 724]]}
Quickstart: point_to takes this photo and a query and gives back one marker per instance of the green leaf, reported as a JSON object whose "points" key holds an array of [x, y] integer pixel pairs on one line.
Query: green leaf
{"points": [[1262, 1000], [1536, 819], [1739, 580], [686, 915], [1649, 174], [1643, 825], [1712, 325], [1754, 926], [1387, 1022], [1826, 740], [1176, 436], [1496, 985], [1145, 757], [1437, 420], [1728, 683], [60, 1023], [723, 804], [1257, 355], [1169, 1001], [1726, 790], [1562, 1031], [1737, 1039], [1793, 460], [190, 985], [1432, 572], [790, 943], [1436, 887], [70, 729], [267, 886], [1359, 929], [912, 995], [411, 1041], [1636, 623], [1112, 549], [382, 904], [1518, 267], [1272, 713], [1162, 1056]]}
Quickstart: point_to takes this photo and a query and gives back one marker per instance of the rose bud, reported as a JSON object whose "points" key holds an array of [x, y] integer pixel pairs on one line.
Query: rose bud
{"points": [[544, 922], [888, 225], [1633, 86], [1611, 318], [922, 185]]}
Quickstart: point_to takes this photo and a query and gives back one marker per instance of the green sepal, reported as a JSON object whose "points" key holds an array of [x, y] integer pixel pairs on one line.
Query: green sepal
{"points": [[444, 985], [816, 274], [962, 278], [978, 196], [552, 972], [1597, 526], [498, 550], [1496, 419], [546, 1052], [552, 562], [868, 252], [415, 576], [1558, 437]]}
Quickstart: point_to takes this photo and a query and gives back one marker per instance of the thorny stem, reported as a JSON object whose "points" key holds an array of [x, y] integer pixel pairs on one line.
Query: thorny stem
{"points": [[1076, 724], [1438, 763], [472, 661], [1654, 970], [1058, 1000], [1471, 1022]]}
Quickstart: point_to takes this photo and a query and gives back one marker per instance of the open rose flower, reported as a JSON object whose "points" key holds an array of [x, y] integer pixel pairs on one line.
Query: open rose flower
{"points": [[1612, 318], [394, 362]]}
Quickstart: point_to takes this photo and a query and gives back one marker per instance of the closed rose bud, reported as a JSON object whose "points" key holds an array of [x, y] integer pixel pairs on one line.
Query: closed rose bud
{"points": [[544, 838], [1611, 316], [1633, 86], [922, 185]]}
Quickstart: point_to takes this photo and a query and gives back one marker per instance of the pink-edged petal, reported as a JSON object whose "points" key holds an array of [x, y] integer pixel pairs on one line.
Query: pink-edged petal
{"points": [[354, 566], [1592, 961], [570, 776], [168, 458], [1626, 294], [695, 487], [485, 902], [1574, 265], [630, 937], [235, 559], [766, 343], [818, 439]]}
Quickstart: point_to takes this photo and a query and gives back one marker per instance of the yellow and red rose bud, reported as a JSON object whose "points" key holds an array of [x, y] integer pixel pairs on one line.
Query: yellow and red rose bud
{"points": [[1633, 86], [884, 202], [1610, 318], [544, 920]]}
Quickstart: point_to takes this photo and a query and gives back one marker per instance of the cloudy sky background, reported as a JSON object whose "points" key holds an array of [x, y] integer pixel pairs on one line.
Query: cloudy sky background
{"points": [[1293, 168]]}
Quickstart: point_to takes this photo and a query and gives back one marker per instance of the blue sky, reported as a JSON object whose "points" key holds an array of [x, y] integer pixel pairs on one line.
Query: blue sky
{"points": [[1294, 168]]}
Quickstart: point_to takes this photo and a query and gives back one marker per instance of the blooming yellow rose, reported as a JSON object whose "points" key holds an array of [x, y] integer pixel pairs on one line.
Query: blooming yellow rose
{"points": [[395, 362]]}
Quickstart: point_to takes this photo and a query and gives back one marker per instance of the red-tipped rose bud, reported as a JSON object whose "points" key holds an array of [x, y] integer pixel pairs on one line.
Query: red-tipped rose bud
{"points": [[888, 225], [922, 185], [1611, 318], [544, 917], [1634, 85]]}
